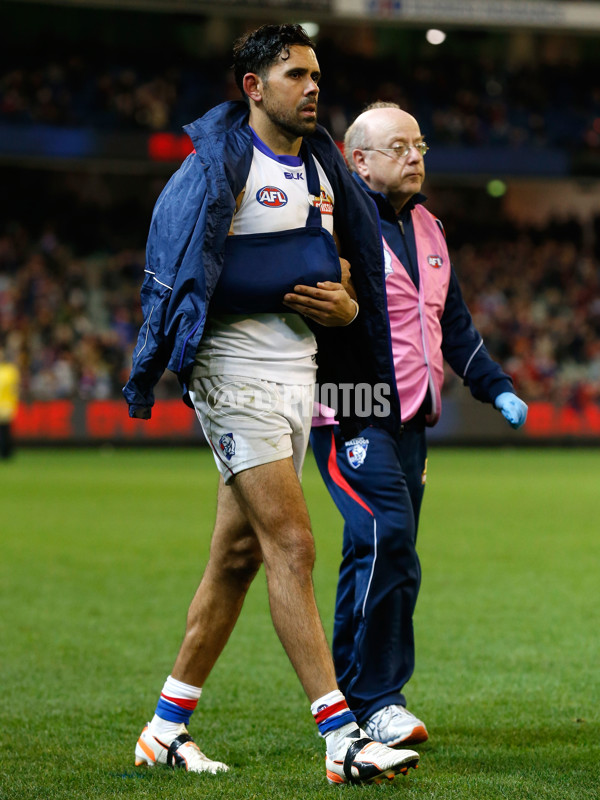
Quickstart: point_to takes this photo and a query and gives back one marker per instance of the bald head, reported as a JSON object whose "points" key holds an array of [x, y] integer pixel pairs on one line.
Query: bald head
{"points": [[364, 130], [370, 144]]}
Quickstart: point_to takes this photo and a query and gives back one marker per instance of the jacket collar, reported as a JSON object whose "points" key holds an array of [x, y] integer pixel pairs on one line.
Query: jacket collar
{"points": [[220, 119], [232, 117]]}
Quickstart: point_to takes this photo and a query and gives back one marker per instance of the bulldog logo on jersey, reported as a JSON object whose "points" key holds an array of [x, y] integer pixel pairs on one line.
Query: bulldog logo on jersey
{"points": [[435, 261], [271, 197], [227, 445], [324, 201], [356, 451]]}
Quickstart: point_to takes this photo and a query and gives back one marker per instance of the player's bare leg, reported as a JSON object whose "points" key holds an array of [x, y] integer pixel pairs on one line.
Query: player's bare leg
{"points": [[271, 497], [234, 560]]}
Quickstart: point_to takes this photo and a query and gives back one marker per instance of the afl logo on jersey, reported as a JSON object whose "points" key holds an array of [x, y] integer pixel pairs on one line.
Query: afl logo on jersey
{"points": [[435, 261], [271, 197]]}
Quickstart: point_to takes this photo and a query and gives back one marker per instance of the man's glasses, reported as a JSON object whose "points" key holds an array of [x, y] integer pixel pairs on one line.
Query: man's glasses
{"points": [[401, 150]]}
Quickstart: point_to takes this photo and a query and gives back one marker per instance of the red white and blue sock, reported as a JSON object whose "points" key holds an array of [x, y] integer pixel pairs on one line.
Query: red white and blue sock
{"points": [[175, 706], [331, 713]]}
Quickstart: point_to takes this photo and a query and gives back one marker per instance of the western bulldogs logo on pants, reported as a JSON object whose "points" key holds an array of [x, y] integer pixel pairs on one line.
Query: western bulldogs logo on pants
{"points": [[227, 445], [356, 451]]}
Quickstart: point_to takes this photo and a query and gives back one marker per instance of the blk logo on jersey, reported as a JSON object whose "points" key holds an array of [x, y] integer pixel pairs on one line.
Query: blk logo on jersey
{"points": [[227, 445], [293, 176], [356, 451], [435, 261], [271, 197]]}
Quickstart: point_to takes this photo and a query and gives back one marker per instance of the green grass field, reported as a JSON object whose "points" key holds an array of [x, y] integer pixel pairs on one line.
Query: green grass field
{"points": [[101, 552]]}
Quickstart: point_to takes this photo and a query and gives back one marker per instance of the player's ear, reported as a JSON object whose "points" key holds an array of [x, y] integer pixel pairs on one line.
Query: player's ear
{"points": [[253, 86]]}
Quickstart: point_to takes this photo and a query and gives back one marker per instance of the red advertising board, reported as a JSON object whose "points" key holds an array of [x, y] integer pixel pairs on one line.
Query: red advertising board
{"points": [[77, 422]]}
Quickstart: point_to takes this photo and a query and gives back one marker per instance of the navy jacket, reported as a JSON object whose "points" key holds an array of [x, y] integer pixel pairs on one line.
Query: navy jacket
{"points": [[462, 344], [184, 258]]}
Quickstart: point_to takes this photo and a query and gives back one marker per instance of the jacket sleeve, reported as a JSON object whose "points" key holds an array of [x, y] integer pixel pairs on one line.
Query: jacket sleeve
{"points": [[464, 350], [361, 352], [177, 213]]}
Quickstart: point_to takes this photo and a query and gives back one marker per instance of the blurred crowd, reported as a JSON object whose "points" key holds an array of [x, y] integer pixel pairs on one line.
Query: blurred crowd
{"points": [[537, 305], [71, 246], [67, 321], [69, 316], [84, 92], [481, 100]]}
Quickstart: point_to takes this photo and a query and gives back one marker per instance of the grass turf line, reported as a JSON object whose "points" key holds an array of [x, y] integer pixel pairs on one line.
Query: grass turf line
{"points": [[101, 552]]}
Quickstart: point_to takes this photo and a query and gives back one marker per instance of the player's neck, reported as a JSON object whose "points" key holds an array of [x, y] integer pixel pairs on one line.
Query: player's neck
{"points": [[276, 139]]}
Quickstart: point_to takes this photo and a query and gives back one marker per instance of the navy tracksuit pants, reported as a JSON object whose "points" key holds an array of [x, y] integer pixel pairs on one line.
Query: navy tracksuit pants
{"points": [[377, 483]]}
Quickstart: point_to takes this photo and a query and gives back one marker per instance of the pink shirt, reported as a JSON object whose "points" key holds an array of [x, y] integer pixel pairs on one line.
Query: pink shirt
{"points": [[415, 316]]}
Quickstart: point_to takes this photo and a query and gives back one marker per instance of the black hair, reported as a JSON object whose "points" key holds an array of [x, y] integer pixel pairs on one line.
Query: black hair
{"points": [[258, 50]]}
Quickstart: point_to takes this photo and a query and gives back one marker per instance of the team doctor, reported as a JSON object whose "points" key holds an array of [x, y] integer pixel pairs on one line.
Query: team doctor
{"points": [[376, 479]]}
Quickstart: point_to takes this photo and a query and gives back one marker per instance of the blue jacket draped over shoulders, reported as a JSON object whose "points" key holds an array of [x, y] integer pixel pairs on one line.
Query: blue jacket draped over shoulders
{"points": [[184, 259]]}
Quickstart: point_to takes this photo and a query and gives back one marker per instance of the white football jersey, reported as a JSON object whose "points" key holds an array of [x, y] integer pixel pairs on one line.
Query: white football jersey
{"points": [[276, 196], [275, 347]]}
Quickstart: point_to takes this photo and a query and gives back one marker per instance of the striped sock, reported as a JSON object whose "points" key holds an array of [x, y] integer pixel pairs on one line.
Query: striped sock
{"points": [[177, 701], [331, 712]]}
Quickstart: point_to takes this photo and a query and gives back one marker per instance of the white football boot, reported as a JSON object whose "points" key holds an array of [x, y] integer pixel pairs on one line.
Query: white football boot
{"points": [[394, 725], [364, 761], [182, 752]]}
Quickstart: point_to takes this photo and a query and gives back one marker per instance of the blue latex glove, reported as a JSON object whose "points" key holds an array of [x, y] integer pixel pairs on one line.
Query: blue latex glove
{"points": [[512, 407]]}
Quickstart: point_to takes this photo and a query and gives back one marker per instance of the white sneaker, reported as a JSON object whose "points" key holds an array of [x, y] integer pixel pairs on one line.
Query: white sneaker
{"points": [[366, 761], [181, 752], [393, 725]]}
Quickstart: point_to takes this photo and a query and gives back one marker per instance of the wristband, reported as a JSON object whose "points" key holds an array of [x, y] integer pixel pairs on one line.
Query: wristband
{"points": [[355, 314]]}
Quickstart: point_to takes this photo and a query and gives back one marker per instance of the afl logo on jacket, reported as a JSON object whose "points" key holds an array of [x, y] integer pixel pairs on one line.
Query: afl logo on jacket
{"points": [[271, 197]]}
